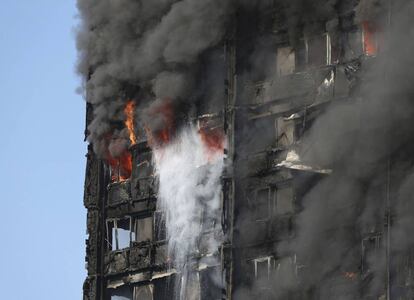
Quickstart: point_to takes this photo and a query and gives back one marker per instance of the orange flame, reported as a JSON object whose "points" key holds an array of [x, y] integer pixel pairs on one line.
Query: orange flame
{"points": [[121, 167], [121, 164], [370, 38], [129, 122]]}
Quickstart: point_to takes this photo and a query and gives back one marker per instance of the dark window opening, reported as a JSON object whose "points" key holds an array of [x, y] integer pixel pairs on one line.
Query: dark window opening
{"points": [[318, 50], [371, 252], [160, 230], [122, 293], [143, 229], [262, 205], [286, 61], [144, 292], [284, 201]]}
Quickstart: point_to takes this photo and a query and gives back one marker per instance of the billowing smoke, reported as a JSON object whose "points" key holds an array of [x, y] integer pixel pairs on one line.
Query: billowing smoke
{"points": [[189, 174], [367, 140], [156, 52], [143, 50]]}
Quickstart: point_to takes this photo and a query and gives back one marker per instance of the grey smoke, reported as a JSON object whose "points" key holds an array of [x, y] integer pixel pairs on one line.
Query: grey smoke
{"points": [[360, 137], [154, 45], [157, 45]]}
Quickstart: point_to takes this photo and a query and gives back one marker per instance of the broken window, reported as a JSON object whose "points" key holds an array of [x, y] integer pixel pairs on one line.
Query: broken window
{"points": [[263, 267], [119, 233], [144, 166], [371, 251], [318, 50], [354, 47], [121, 293], [265, 127], [211, 283], [286, 268], [370, 38], [165, 287], [262, 204], [144, 292], [160, 233], [285, 132], [300, 56], [143, 229], [285, 61], [284, 201]]}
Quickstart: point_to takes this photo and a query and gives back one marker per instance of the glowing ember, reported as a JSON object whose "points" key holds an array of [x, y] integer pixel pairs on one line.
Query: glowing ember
{"points": [[129, 122]]}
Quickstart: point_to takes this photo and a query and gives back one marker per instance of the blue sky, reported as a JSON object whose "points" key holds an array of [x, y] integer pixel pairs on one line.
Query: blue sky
{"points": [[42, 161]]}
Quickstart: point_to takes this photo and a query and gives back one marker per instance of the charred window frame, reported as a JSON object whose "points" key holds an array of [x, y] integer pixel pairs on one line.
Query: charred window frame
{"points": [[354, 45], [160, 229], [283, 200], [287, 267], [285, 132], [301, 58], [143, 229], [371, 247], [119, 234], [285, 61], [318, 50], [143, 292], [124, 292], [262, 204], [128, 292], [263, 267]]}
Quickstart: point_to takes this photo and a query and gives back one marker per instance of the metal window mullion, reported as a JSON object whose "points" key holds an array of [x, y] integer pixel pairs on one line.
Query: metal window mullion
{"points": [[116, 234]]}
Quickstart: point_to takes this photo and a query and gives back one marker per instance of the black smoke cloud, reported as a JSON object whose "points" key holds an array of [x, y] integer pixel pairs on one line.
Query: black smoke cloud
{"points": [[367, 140], [155, 47], [151, 46]]}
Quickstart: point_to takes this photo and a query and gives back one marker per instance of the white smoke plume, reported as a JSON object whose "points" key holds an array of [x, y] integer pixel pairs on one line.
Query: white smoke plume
{"points": [[190, 195]]}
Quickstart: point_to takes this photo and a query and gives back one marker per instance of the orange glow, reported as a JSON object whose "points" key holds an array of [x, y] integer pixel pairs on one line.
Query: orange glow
{"points": [[165, 113], [351, 275], [212, 138], [121, 167], [129, 122], [121, 164], [370, 38]]}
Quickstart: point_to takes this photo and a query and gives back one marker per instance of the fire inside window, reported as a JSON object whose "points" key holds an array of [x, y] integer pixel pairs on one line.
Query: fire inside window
{"points": [[369, 38]]}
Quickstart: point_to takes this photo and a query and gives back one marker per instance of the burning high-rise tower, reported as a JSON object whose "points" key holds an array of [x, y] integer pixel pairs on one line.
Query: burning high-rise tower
{"points": [[243, 149]]}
